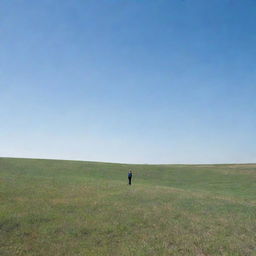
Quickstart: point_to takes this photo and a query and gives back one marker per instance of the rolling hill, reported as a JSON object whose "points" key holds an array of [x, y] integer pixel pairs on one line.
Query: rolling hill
{"points": [[57, 207]]}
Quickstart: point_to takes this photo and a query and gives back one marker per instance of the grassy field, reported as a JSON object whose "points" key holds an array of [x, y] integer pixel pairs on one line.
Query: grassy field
{"points": [[51, 207]]}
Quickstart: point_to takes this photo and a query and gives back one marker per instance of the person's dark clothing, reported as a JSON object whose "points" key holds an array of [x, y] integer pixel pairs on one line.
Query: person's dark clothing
{"points": [[130, 178]]}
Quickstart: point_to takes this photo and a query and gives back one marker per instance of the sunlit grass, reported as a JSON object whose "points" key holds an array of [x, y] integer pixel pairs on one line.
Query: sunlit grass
{"points": [[84, 208]]}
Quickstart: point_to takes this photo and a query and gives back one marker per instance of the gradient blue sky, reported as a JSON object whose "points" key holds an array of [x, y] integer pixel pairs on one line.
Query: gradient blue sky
{"points": [[167, 81]]}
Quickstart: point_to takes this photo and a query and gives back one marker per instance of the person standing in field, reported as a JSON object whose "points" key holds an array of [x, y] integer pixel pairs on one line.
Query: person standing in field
{"points": [[130, 177]]}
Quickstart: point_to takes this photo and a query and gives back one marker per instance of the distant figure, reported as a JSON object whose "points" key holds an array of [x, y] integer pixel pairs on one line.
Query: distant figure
{"points": [[130, 177]]}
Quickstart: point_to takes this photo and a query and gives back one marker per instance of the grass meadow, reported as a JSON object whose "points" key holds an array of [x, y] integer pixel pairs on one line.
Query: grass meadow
{"points": [[55, 207]]}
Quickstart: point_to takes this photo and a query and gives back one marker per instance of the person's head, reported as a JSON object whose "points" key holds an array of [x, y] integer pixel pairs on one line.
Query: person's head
{"points": [[130, 171]]}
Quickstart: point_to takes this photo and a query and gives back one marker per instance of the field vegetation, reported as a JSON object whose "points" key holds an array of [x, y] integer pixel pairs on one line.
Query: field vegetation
{"points": [[55, 207]]}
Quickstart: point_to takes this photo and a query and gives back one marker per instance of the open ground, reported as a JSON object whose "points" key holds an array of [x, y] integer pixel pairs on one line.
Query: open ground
{"points": [[56, 207]]}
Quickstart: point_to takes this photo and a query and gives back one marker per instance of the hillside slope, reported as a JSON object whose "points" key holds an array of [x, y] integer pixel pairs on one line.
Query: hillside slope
{"points": [[55, 207]]}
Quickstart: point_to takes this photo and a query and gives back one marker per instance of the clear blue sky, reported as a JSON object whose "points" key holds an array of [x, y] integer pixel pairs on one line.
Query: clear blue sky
{"points": [[167, 81]]}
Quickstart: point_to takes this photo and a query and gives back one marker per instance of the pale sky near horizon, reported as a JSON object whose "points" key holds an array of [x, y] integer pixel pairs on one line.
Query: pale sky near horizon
{"points": [[168, 81]]}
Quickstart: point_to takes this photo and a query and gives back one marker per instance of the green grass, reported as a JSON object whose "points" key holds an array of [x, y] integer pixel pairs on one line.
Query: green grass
{"points": [[51, 207]]}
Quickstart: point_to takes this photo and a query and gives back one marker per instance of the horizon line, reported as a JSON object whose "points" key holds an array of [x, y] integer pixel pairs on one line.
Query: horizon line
{"points": [[91, 161]]}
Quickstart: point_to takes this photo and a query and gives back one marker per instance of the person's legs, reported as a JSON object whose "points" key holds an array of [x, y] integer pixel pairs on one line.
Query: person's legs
{"points": [[130, 179]]}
